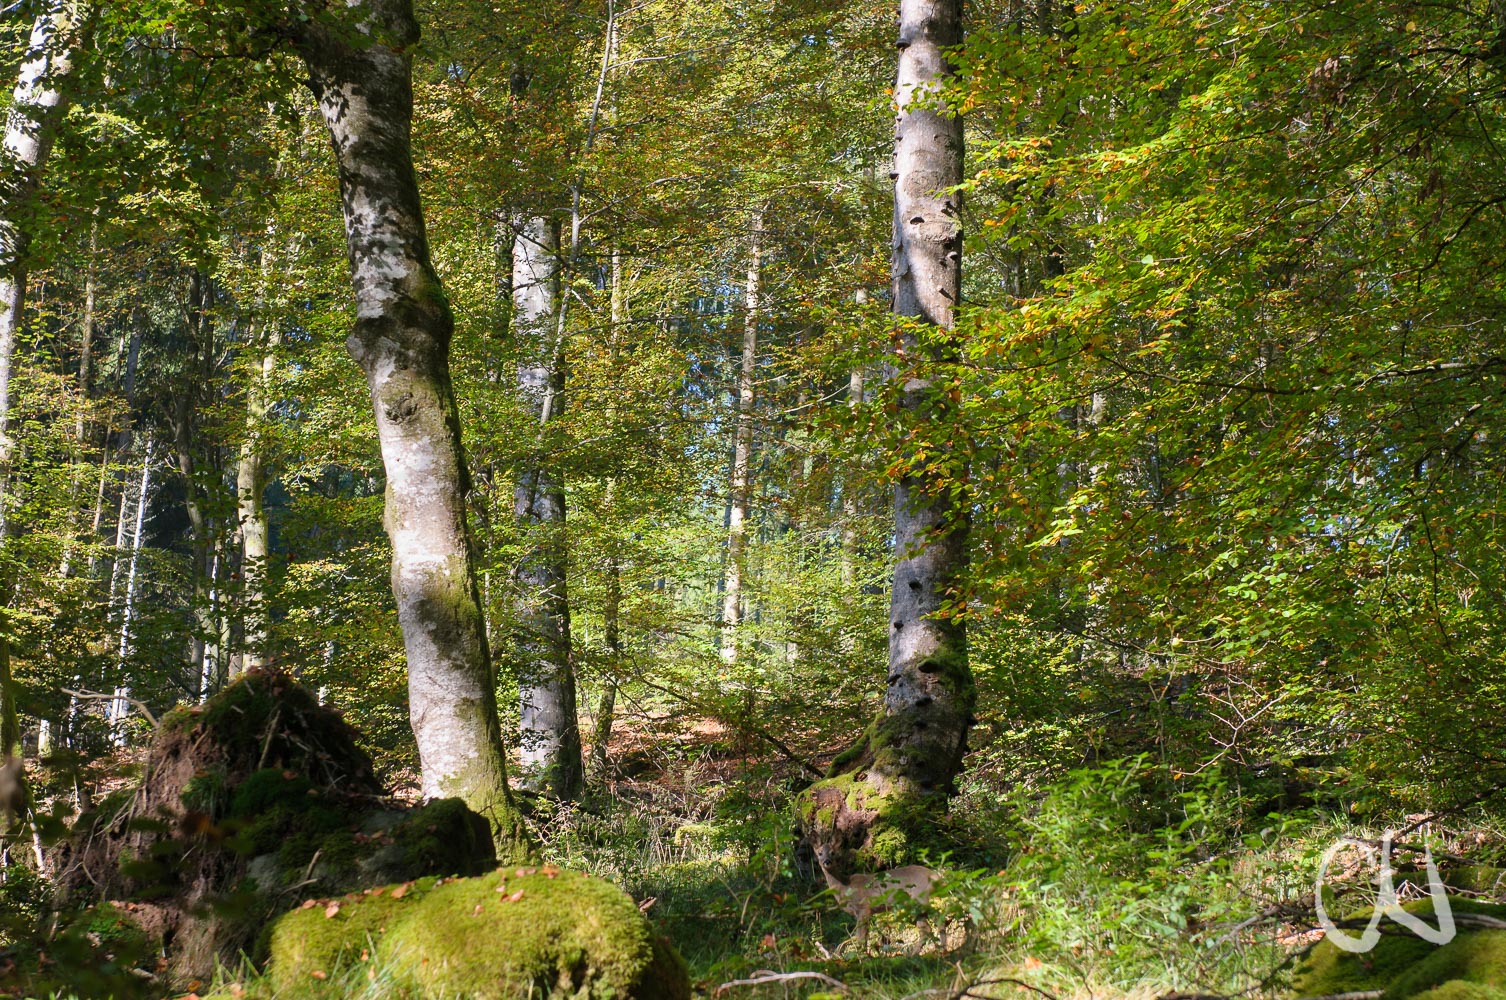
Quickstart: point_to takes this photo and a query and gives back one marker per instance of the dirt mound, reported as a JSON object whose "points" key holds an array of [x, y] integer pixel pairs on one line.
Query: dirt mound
{"points": [[246, 805]]}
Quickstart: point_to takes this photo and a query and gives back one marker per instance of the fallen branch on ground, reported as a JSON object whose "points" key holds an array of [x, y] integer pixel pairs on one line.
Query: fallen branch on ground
{"points": [[764, 976]]}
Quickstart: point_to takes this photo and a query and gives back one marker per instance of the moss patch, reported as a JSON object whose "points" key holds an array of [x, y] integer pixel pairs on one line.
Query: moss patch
{"points": [[324, 936], [1477, 957], [1486, 879], [1458, 989], [1404, 965], [504, 935]]}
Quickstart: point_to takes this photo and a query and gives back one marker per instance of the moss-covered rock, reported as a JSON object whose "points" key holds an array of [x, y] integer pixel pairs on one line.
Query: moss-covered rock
{"points": [[259, 790], [1405, 965], [510, 934], [1485, 879], [326, 935], [1458, 989]]}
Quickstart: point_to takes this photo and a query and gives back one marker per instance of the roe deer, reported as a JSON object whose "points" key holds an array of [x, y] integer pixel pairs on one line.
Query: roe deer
{"points": [[864, 895]]}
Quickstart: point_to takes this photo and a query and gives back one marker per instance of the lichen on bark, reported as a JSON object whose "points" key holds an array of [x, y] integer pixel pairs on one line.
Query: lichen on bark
{"points": [[888, 790], [359, 63]]}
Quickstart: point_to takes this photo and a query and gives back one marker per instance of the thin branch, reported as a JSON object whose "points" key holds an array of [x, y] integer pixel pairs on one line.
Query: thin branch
{"points": [[146, 713], [764, 977]]}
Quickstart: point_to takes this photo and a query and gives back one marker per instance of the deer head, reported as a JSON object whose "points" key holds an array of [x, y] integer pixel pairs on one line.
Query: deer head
{"points": [[864, 895]]}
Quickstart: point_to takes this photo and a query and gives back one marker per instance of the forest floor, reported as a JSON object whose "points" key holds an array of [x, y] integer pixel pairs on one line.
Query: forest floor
{"points": [[1113, 887], [1121, 881]]}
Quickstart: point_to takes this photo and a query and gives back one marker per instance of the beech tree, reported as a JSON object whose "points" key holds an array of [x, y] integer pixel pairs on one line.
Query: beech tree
{"points": [[900, 772], [549, 732], [361, 75], [37, 108]]}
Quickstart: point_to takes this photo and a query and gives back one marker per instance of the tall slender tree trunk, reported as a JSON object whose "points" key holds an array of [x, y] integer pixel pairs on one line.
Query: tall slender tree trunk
{"points": [[120, 704], [742, 450], [250, 487], [85, 391], [905, 766], [606, 705], [37, 107], [401, 340], [86, 335], [550, 753], [36, 111], [204, 646], [850, 511]]}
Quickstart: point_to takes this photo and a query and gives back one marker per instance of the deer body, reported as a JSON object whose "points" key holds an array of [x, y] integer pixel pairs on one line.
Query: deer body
{"points": [[864, 895]]}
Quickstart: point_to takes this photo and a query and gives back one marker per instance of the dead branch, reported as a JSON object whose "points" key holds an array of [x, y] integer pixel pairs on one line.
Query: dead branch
{"points": [[763, 977], [139, 706]]}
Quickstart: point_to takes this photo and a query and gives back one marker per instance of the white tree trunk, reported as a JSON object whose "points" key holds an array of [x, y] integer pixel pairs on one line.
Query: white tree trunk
{"points": [[37, 108], [906, 764], [930, 694], [742, 451], [549, 728], [250, 487], [401, 340], [120, 704]]}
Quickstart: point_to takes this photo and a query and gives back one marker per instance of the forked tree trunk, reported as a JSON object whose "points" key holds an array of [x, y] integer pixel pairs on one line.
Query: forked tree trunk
{"points": [[550, 754], [401, 340], [742, 452], [120, 705], [905, 766]]}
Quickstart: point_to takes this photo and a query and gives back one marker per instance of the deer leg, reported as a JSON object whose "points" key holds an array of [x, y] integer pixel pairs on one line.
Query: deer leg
{"points": [[860, 934]]}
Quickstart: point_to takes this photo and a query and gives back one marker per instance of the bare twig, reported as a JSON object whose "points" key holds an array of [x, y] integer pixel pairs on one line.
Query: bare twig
{"points": [[1460, 807], [967, 991], [146, 713], [764, 976]]}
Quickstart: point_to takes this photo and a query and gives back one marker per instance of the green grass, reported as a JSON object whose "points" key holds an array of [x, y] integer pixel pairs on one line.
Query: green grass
{"points": [[1120, 883]]}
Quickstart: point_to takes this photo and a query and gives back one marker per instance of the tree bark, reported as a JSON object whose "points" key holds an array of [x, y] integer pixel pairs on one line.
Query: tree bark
{"points": [[904, 767], [401, 340], [550, 754], [250, 486], [37, 108], [205, 649], [742, 451]]}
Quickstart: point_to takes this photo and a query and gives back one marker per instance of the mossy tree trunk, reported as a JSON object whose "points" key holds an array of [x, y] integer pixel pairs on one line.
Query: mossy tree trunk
{"points": [[550, 756], [361, 75], [888, 789]]}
